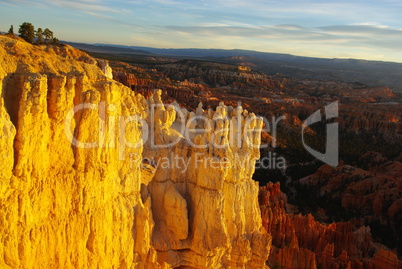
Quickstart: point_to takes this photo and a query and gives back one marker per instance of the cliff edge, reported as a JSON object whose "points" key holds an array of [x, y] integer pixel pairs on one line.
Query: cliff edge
{"points": [[81, 186]]}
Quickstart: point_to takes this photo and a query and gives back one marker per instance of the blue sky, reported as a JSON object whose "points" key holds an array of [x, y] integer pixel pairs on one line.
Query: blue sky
{"points": [[331, 29]]}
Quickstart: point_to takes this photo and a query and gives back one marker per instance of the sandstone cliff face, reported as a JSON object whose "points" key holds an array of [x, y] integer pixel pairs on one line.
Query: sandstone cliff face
{"points": [[378, 120], [75, 192], [374, 194], [301, 242], [106, 69], [63, 206], [200, 219], [146, 86]]}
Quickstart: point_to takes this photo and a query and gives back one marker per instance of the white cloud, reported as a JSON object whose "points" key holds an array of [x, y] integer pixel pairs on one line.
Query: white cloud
{"points": [[374, 31], [354, 41], [83, 5]]}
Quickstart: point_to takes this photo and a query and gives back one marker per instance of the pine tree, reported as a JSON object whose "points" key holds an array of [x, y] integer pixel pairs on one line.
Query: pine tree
{"points": [[39, 36], [48, 35], [27, 32], [11, 30], [55, 41]]}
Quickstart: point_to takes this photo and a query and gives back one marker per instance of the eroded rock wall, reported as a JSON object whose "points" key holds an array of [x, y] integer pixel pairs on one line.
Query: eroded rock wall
{"points": [[75, 192], [64, 205], [205, 203], [299, 241]]}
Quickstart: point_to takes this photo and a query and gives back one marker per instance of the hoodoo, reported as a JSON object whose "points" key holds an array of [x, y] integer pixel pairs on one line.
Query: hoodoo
{"points": [[74, 191]]}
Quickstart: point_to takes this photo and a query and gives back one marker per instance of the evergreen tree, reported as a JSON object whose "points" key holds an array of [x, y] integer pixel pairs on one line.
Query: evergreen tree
{"points": [[55, 41], [27, 32], [11, 30], [48, 35], [39, 36]]}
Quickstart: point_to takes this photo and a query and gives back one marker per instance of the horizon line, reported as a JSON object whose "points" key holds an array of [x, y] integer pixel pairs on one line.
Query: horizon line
{"points": [[236, 49]]}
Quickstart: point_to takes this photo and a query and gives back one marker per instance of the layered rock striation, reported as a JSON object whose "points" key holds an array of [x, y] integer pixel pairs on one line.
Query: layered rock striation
{"points": [[199, 193], [82, 186], [63, 203], [299, 241], [372, 192]]}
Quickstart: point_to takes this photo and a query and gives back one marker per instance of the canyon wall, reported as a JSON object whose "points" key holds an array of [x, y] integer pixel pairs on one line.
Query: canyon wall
{"points": [[80, 189], [205, 203], [299, 241], [146, 87], [372, 193], [64, 205]]}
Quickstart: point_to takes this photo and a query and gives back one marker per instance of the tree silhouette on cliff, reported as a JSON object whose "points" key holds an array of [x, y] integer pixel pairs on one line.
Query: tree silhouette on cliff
{"points": [[48, 35], [27, 32], [39, 36], [11, 30]]}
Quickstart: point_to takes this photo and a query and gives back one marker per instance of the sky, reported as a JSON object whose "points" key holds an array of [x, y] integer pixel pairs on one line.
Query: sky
{"points": [[367, 29]]}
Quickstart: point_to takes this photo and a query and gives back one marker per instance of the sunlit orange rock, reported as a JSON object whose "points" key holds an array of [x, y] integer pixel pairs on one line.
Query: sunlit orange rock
{"points": [[301, 242], [74, 195]]}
